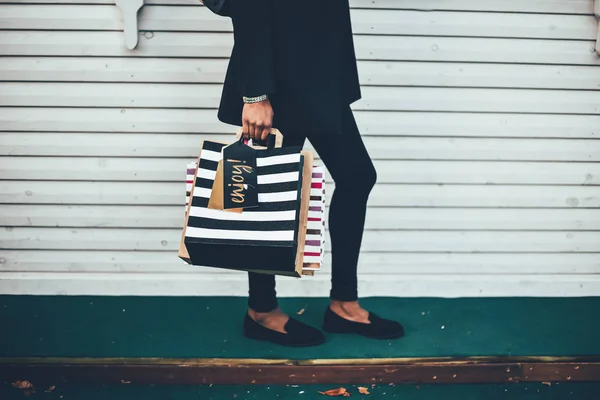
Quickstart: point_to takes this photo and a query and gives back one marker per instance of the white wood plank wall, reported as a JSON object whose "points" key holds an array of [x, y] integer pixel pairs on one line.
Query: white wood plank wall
{"points": [[483, 118]]}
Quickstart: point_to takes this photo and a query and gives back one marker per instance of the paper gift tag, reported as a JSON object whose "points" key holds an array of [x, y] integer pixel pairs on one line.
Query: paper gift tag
{"points": [[240, 177], [216, 195]]}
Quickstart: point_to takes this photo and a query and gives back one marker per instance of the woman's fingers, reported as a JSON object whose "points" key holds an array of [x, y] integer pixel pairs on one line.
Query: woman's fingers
{"points": [[265, 133], [257, 119], [246, 129], [253, 130]]}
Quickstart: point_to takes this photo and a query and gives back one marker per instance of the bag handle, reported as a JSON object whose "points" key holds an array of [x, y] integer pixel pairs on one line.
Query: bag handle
{"points": [[275, 139]]}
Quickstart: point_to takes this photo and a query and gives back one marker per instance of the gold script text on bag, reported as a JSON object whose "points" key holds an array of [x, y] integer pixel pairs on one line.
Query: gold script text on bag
{"points": [[240, 176], [216, 196]]}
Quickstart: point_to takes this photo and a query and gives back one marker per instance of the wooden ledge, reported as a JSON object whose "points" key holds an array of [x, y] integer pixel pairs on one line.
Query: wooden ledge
{"points": [[192, 371]]}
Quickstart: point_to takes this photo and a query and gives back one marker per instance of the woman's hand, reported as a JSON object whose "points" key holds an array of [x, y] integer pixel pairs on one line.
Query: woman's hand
{"points": [[257, 120]]}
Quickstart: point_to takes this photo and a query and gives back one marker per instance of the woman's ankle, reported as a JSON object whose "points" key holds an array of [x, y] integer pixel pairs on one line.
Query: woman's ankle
{"points": [[345, 306], [275, 319], [262, 316], [350, 310]]}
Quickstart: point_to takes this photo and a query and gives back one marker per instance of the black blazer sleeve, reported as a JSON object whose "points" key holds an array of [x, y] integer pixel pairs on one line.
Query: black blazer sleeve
{"points": [[253, 33]]}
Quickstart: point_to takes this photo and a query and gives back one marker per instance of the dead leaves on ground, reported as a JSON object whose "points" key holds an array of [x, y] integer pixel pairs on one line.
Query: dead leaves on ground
{"points": [[28, 388], [342, 392], [23, 385], [336, 392]]}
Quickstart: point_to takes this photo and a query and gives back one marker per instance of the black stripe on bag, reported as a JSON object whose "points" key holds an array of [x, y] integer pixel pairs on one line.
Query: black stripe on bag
{"points": [[208, 164], [266, 188], [238, 242], [268, 170], [228, 225], [278, 169], [204, 183], [298, 203], [202, 202], [276, 206], [212, 146], [278, 187]]}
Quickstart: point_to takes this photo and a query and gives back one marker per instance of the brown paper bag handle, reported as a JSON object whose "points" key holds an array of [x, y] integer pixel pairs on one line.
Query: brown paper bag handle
{"points": [[276, 132]]}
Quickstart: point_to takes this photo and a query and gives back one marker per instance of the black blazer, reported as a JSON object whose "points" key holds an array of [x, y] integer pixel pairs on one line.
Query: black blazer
{"points": [[300, 54]]}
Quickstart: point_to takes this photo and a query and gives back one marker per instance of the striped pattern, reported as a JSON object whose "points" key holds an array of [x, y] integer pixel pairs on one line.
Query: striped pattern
{"points": [[189, 182], [273, 223], [314, 250]]}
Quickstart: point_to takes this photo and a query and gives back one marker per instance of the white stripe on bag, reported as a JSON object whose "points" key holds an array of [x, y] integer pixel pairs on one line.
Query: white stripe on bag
{"points": [[206, 174], [312, 249], [262, 197], [202, 192], [278, 178], [262, 179], [265, 236], [275, 160], [277, 197], [246, 216], [211, 155], [314, 225], [260, 162]]}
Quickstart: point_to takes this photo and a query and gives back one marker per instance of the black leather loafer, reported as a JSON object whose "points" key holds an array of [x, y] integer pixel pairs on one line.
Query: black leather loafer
{"points": [[298, 334], [379, 328]]}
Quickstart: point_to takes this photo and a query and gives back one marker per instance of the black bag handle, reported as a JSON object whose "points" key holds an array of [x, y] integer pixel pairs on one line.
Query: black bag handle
{"points": [[275, 139]]}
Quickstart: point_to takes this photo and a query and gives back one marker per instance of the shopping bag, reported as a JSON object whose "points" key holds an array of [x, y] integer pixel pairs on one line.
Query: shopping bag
{"points": [[314, 248], [267, 239]]}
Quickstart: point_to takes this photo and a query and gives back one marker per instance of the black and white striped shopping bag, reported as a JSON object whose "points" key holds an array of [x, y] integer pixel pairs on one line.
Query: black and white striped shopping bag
{"points": [[314, 245], [263, 239]]}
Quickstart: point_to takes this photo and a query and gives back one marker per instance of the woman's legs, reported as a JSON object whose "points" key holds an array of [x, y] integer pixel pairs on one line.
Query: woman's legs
{"points": [[262, 302], [262, 296], [354, 175]]}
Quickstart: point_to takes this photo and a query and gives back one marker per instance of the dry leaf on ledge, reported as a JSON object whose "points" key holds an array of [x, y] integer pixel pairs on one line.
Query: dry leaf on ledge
{"points": [[363, 390], [23, 385], [336, 392]]}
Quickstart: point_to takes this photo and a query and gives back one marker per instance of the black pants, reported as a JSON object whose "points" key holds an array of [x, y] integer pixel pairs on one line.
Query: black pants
{"points": [[354, 176]]}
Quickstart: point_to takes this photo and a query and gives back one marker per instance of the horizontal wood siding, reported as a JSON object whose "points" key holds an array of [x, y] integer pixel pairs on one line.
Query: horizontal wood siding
{"points": [[483, 118]]}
